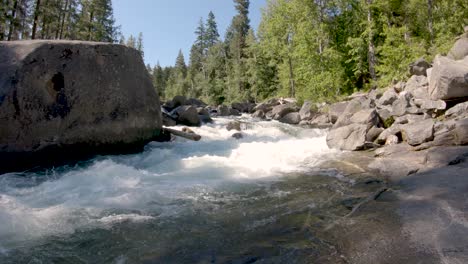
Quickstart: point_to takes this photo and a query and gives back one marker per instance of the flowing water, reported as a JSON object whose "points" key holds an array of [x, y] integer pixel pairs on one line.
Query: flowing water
{"points": [[262, 199]]}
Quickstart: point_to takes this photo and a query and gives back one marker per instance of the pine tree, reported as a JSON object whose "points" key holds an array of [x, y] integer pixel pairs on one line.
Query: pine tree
{"points": [[139, 44], [212, 35]]}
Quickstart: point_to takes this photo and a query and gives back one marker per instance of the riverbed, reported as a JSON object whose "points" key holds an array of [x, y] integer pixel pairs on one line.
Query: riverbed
{"points": [[266, 198]]}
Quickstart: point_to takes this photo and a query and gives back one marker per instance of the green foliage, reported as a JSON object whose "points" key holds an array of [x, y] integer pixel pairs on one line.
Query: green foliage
{"points": [[316, 50]]}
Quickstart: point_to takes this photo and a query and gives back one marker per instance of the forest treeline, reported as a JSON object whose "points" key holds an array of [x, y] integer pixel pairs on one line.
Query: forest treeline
{"points": [[308, 49], [91, 20], [312, 49]]}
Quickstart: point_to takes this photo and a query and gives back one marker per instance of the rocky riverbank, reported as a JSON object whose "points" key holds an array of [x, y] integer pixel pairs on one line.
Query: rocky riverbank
{"points": [[414, 135]]}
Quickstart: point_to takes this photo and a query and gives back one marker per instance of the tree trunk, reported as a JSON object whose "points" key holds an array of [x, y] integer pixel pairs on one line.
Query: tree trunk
{"points": [[65, 13], [45, 19], [430, 20], [292, 88], [12, 21], [36, 17], [371, 51], [90, 26], [3, 24]]}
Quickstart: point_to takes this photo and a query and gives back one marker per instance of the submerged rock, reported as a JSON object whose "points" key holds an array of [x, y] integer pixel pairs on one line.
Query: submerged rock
{"points": [[59, 95]]}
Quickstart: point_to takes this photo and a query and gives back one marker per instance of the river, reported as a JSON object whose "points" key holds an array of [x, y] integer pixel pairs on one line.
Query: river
{"points": [[261, 199]]}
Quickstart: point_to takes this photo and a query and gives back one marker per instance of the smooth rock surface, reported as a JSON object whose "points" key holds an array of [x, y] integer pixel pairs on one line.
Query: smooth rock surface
{"points": [[449, 79], [58, 94]]}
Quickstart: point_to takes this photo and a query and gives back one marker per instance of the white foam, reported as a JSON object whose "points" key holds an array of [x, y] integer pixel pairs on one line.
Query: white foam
{"points": [[157, 179]]}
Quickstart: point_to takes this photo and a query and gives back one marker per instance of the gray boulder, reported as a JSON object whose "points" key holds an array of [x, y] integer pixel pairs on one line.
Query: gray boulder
{"points": [[402, 104], [195, 102], [459, 110], [306, 111], [394, 130], [352, 107], [234, 112], [237, 135], [419, 132], [449, 79], [291, 118], [259, 114], [281, 110], [223, 110], [351, 137], [179, 100], [336, 110], [388, 97], [188, 115], [243, 107], [374, 133], [461, 132], [427, 104], [233, 125], [63, 94], [460, 48], [418, 87], [419, 67], [410, 118], [168, 121], [367, 117]]}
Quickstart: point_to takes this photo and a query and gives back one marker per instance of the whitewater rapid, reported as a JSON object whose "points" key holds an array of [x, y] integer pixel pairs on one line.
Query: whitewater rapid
{"points": [[163, 181]]}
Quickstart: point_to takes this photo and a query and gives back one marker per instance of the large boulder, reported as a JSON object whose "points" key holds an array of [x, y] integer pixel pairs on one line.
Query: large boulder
{"points": [[281, 110], [336, 110], [291, 118], [459, 110], [449, 79], [350, 137], [419, 132], [306, 111], [243, 107], [56, 95], [188, 115], [388, 97], [460, 48], [419, 67]]}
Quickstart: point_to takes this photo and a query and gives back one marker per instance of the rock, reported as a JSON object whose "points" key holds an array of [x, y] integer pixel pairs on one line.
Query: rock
{"points": [[384, 114], [402, 104], [350, 137], [237, 135], [417, 86], [449, 79], [202, 111], [179, 100], [367, 117], [306, 111], [168, 121], [352, 107], [259, 114], [223, 110], [459, 49], [281, 110], [188, 115], [419, 132], [461, 132], [408, 119], [233, 125], [63, 98], [395, 129], [195, 102], [388, 97], [234, 112], [427, 104], [336, 110], [243, 107], [392, 140], [399, 87], [457, 110], [291, 118], [429, 74], [419, 67], [204, 115], [374, 133]]}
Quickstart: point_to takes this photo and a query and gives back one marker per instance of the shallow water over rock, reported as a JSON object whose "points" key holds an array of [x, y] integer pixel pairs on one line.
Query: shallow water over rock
{"points": [[262, 199]]}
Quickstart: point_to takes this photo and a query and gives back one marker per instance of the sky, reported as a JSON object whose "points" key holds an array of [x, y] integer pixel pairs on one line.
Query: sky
{"points": [[169, 25]]}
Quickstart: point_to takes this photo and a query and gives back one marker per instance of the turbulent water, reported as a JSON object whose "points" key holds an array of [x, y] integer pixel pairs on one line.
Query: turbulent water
{"points": [[259, 199]]}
